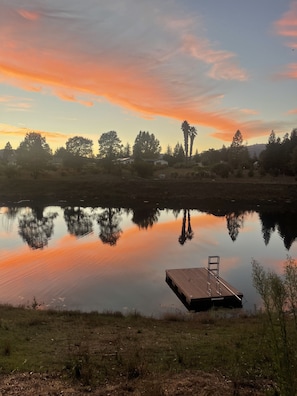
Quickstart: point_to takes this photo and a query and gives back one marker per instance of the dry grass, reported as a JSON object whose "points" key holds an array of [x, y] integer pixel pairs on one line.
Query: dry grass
{"points": [[119, 355]]}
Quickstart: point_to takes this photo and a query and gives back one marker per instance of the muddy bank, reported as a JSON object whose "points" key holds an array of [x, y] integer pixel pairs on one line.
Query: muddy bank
{"points": [[171, 194]]}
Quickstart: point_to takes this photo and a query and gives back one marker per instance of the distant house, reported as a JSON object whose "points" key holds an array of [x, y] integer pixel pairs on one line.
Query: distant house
{"points": [[129, 160], [161, 162], [158, 161], [124, 161]]}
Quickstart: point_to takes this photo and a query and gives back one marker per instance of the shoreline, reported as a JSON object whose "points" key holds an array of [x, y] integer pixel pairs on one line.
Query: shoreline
{"points": [[170, 194]]}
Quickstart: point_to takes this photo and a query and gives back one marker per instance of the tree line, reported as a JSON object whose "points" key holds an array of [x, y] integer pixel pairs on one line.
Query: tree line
{"points": [[279, 157], [34, 154]]}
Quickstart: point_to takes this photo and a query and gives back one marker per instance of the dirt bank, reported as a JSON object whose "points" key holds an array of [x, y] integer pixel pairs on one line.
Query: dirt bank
{"points": [[110, 191]]}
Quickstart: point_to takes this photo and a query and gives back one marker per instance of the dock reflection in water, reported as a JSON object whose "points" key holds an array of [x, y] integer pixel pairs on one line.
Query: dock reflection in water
{"points": [[115, 259]]}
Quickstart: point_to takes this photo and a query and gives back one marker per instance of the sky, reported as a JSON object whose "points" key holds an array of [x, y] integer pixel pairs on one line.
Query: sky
{"points": [[82, 68]]}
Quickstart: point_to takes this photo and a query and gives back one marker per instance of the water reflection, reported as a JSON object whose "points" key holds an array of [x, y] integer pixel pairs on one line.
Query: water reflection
{"points": [[145, 217], [36, 229], [235, 222], [79, 222], [283, 222], [186, 230], [112, 258], [109, 223]]}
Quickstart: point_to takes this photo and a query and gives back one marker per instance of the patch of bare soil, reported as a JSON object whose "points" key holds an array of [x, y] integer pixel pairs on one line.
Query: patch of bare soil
{"points": [[183, 384]]}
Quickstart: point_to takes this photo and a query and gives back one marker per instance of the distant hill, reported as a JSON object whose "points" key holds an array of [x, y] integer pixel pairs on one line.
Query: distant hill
{"points": [[255, 149]]}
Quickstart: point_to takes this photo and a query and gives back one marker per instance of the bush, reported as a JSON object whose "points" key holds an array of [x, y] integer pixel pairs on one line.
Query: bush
{"points": [[279, 296], [143, 169], [10, 171], [222, 170]]}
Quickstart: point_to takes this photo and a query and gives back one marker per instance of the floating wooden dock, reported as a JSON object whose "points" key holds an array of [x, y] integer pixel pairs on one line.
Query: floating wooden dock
{"points": [[200, 289]]}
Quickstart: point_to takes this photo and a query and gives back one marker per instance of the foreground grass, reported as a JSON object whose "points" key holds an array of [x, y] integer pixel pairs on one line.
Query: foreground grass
{"points": [[94, 349]]}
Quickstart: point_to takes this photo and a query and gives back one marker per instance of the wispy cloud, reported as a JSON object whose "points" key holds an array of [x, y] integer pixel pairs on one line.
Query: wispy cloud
{"points": [[11, 103], [287, 25], [223, 63], [12, 130], [122, 52]]}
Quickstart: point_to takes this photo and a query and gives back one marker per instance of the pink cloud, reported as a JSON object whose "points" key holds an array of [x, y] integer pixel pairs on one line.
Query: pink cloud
{"points": [[287, 25], [249, 111], [290, 72], [223, 64], [29, 15], [68, 55], [293, 111]]}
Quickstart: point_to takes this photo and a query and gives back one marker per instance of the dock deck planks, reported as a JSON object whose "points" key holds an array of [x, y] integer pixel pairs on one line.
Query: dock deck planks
{"points": [[199, 289]]}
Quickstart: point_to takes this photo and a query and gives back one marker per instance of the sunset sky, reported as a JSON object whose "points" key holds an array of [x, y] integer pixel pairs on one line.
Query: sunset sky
{"points": [[81, 68]]}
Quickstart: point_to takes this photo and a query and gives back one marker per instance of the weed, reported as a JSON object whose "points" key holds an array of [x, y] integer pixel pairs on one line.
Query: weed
{"points": [[79, 363], [7, 349]]}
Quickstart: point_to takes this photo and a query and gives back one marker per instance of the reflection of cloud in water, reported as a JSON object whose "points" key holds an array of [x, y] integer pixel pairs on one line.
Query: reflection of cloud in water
{"points": [[86, 274]]}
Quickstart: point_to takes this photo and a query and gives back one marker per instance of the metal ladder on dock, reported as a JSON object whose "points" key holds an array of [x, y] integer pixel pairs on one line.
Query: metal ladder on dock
{"points": [[213, 269]]}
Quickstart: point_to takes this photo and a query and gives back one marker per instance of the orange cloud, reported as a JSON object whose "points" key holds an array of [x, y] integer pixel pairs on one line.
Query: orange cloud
{"points": [[287, 25], [86, 69], [7, 130]]}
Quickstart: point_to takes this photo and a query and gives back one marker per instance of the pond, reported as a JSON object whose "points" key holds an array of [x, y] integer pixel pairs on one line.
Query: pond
{"points": [[114, 259]]}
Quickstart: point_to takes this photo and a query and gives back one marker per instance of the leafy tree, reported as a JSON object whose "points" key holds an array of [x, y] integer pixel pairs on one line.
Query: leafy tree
{"points": [[169, 150], [33, 153], [79, 146], [126, 151], [277, 158], [186, 131], [168, 156], [7, 153], [210, 157], [294, 161], [178, 153], [146, 146], [109, 145]]}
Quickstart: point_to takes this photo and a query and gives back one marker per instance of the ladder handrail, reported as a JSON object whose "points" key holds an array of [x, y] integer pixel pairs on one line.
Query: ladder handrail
{"points": [[228, 288]]}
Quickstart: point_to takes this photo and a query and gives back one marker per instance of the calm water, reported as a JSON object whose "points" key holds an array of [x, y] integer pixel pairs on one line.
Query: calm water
{"points": [[114, 259]]}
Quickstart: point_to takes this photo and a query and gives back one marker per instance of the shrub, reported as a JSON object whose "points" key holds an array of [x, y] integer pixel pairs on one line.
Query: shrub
{"points": [[143, 169], [221, 169]]}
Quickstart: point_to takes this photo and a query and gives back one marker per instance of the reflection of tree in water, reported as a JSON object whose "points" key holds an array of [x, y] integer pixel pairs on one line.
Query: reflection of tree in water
{"points": [[285, 223], [36, 229], [8, 217], [268, 226], [109, 223], [186, 230], [234, 223], [145, 217], [79, 222]]}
